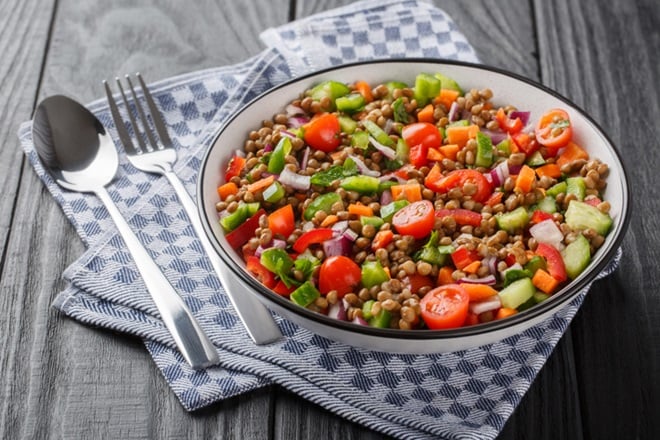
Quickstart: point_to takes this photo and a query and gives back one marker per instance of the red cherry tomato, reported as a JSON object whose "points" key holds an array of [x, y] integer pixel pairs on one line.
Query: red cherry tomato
{"points": [[416, 219], [339, 273], [322, 133], [420, 136], [554, 130], [458, 178], [445, 307]]}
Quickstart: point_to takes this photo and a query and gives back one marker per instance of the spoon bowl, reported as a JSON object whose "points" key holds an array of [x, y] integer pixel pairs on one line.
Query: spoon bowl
{"points": [[78, 152], [73, 144]]}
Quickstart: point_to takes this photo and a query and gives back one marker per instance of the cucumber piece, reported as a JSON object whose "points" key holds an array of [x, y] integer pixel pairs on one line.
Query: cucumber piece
{"points": [[576, 256], [504, 147], [374, 221], [547, 204], [331, 89], [448, 83], [535, 264], [576, 185], [427, 87], [347, 125], [556, 189], [388, 211], [381, 320], [359, 139], [580, 216], [378, 133], [517, 293], [484, 151], [274, 192], [510, 221], [540, 296], [536, 159]]}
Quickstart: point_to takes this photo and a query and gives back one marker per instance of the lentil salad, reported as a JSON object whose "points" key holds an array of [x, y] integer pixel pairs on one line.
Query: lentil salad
{"points": [[413, 206]]}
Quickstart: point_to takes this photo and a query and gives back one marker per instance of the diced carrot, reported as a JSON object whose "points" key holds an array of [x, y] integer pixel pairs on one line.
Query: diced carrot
{"points": [[472, 267], [460, 134], [446, 97], [227, 190], [260, 184], [408, 191], [495, 198], [329, 221], [550, 169], [545, 282], [426, 114], [360, 210], [525, 179], [434, 155], [505, 312], [445, 275], [572, 152], [450, 151], [382, 239], [478, 292], [364, 89]]}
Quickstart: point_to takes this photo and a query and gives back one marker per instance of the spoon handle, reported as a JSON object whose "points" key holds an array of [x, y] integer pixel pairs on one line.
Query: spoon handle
{"points": [[257, 320], [194, 344]]}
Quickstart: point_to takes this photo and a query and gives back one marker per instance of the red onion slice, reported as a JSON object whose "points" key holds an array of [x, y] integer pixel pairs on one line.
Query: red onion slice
{"points": [[523, 116], [294, 180], [492, 303], [337, 311], [453, 112], [297, 121], [364, 169], [385, 150], [337, 246], [294, 110], [305, 159], [359, 321], [488, 280], [386, 197], [548, 232]]}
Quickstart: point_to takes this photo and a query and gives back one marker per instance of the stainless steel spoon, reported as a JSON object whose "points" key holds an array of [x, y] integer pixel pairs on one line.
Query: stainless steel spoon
{"points": [[80, 155]]}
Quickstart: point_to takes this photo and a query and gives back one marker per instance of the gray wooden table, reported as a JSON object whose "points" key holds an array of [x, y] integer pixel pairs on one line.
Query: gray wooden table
{"points": [[60, 379]]}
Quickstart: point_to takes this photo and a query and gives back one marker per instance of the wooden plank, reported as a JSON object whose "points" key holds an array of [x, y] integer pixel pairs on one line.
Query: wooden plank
{"points": [[59, 376], [605, 59]]}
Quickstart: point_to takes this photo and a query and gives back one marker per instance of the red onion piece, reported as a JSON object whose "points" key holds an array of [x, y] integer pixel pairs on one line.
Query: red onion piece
{"points": [[337, 246], [337, 311], [491, 263], [275, 243], [268, 148], [287, 134], [488, 280], [364, 169], [305, 159], [514, 169], [359, 321], [385, 150], [294, 180], [500, 173], [495, 136], [386, 197], [350, 235], [548, 232], [486, 305], [294, 110], [297, 121], [453, 112], [523, 116], [340, 226], [392, 176]]}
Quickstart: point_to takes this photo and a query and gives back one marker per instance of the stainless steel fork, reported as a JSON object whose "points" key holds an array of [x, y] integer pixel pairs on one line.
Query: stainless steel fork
{"points": [[158, 156]]}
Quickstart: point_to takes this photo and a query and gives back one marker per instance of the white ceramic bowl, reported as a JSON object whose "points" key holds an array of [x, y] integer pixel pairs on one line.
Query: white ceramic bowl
{"points": [[507, 88]]}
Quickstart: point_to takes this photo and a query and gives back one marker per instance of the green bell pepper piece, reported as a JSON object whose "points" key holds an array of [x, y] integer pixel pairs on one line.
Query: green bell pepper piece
{"points": [[277, 158], [388, 211], [350, 103], [484, 151], [373, 274], [323, 203], [504, 147], [305, 294], [361, 184], [383, 186], [535, 160], [427, 87], [331, 89], [360, 139], [381, 320], [378, 133], [274, 192], [373, 220], [236, 218], [547, 204], [556, 189], [325, 178], [366, 309]]}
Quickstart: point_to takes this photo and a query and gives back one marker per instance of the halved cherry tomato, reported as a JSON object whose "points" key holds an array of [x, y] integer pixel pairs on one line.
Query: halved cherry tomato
{"points": [[416, 219], [554, 130], [461, 216], [554, 260], [265, 277], [507, 124], [420, 136], [239, 236], [322, 133], [339, 273], [445, 307], [282, 221], [234, 167], [525, 143], [458, 178], [314, 236]]}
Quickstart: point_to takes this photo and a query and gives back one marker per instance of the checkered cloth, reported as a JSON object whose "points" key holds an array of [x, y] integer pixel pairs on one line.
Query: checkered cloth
{"points": [[462, 394]]}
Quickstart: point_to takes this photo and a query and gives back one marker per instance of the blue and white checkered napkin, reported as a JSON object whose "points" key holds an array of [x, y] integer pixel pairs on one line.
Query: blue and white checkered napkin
{"points": [[468, 393]]}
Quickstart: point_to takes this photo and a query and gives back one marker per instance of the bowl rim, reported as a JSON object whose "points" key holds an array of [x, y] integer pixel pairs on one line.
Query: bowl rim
{"points": [[554, 303]]}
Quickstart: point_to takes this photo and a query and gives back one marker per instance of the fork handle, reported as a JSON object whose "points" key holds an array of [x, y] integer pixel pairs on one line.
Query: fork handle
{"points": [[190, 339], [256, 318]]}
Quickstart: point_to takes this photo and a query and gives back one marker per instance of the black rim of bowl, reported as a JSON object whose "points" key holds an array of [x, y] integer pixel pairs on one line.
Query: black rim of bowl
{"points": [[551, 304]]}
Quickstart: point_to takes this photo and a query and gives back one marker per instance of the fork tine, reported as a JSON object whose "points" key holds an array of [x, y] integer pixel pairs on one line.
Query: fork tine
{"points": [[124, 137], [136, 129], [143, 117], [156, 117]]}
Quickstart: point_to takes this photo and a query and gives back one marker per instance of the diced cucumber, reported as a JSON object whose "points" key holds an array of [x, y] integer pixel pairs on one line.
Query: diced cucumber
{"points": [[360, 139], [540, 296], [556, 189], [373, 220], [535, 263], [330, 89], [547, 204], [381, 320], [576, 186], [448, 83], [510, 221], [484, 151], [347, 125], [274, 192], [517, 293], [377, 133], [427, 87], [580, 215], [576, 256], [536, 159], [504, 147]]}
